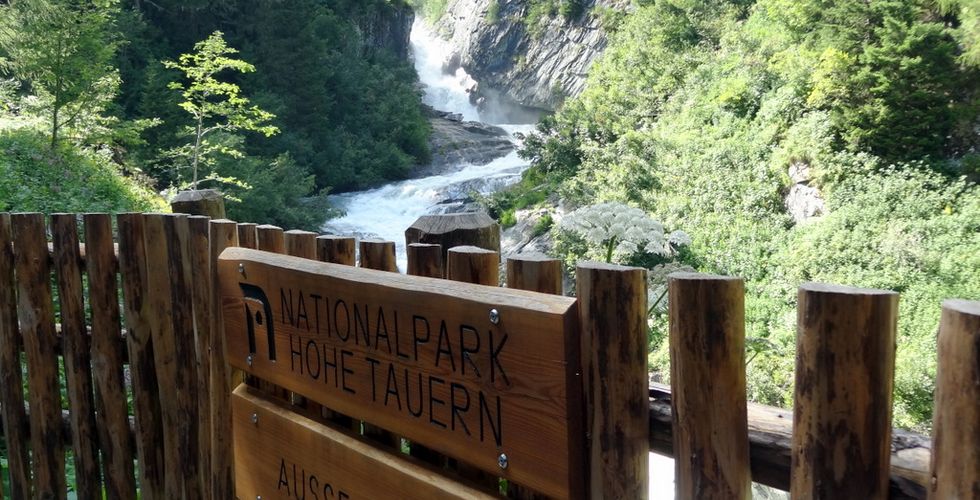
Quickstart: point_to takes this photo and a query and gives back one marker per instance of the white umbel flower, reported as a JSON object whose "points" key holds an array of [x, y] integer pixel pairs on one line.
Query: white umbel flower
{"points": [[622, 230]]}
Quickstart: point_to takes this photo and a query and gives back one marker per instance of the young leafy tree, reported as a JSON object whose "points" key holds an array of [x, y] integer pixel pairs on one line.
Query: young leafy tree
{"points": [[64, 50], [215, 105]]}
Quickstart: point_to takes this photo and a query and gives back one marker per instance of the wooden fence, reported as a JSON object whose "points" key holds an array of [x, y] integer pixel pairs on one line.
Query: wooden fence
{"points": [[126, 371]]}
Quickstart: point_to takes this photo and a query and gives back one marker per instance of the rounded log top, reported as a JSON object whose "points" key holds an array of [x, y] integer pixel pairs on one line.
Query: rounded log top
{"points": [[197, 195], [445, 223], [690, 276], [299, 232], [334, 237], [423, 245], [266, 227], [470, 249], [842, 289], [971, 307], [605, 266], [531, 257], [223, 221]]}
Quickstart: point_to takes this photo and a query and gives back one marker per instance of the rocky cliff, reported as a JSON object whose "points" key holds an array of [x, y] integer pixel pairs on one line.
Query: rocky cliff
{"points": [[532, 62], [385, 27]]}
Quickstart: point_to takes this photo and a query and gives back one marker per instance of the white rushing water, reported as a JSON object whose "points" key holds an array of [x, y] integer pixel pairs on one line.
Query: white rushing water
{"points": [[387, 211]]}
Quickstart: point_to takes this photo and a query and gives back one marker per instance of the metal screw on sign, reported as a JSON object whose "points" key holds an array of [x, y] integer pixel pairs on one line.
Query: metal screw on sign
{"points": [[255, 418], [502, 460], [494, 316], [241, 269], [248, 359]]}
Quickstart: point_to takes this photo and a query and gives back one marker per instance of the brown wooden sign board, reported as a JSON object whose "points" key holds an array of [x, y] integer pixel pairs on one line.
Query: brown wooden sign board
{"points": [[471, 371], [281, 454]]}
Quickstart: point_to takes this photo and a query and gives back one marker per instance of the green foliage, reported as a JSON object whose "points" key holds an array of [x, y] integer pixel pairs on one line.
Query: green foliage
{"points": [[431, 10], [697, 110], [35, 178], [64, 50], [279, 194], [493, 12], [216, 106]]}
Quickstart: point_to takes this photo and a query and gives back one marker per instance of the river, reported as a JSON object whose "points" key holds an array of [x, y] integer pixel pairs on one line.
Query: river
{"points": [[387, 211]]}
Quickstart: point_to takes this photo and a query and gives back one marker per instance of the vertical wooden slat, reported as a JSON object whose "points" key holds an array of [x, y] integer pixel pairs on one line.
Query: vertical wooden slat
{"points": [[36, 313], [845, 361], [534, 271], [473, 265], [146, 403], [378, 254], [11, 390], [78, 372], [107, 359], [159, 313], [425, 259], [224, 234], [707, 377], [248, 235], [271, 238], [955, 461], [336, 249], [200, 262], [177, 234], [301, 244], [538, 273], [612, 313]]}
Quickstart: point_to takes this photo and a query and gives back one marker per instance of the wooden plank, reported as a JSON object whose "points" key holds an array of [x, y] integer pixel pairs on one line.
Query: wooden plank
{"points": [[956, 423], [248, 235], [612, 308], [473, 265], [12, 388], [178, 266], [224, 234], [136, 311], [78, 366], [504, 390], [107, 360], [845, 364], [771, 444], [271, 238], [281, 454], [36, 313], [707, 375], [378, 254], [534, 271], [200, 260], [336, 249]]}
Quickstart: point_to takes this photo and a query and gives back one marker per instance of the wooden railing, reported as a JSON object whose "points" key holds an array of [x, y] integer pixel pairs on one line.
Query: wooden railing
{"points": [[134, 322]]}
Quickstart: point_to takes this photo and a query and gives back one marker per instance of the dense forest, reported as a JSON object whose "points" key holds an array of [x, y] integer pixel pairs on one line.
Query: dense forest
{"points": [[323, 99], [710, 116]]}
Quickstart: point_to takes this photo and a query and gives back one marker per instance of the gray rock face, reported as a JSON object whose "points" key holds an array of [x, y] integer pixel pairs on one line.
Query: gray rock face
{"points": [[386, 27], [536, 68], [803, 201], [454, 141]]}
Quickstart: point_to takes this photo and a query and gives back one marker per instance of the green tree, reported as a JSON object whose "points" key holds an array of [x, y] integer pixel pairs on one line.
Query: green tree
{"points": [[215, 105], [64, 50]]}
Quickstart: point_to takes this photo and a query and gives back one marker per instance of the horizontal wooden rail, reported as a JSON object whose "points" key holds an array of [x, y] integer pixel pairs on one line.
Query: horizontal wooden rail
{"points": [[82, 254], [65, 425], [771, 442]]}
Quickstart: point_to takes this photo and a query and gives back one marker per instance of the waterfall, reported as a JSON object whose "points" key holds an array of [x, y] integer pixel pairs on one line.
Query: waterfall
{"points": [[386, 212]]}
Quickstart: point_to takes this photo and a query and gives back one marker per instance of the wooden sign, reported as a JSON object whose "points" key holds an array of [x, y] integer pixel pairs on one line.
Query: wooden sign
{"points": [[486, 375], [281, 454]]}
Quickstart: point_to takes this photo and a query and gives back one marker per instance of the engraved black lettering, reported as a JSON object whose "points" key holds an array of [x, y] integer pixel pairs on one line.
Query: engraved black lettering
{"points": [[301, 312], [448, 350], [495, 428], [464, 351], [495, 360], [286, 306], [398, 340], [316, 311], [433, 401], [316, 352], [381, 330], [408, 395], [415, 333], [361, 323], [374, 364], [328, 355], [457, 408], [336, 309], [296, 353], [283, 476], [344, 371], [392, 386]]}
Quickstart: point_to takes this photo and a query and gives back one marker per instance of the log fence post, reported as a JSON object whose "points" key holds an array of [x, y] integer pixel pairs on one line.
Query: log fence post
{"points": [[336, 249], [707, 377], [224, 234], [955, 464], [473, 265], [845, 363], [612, 314], [425, 259], [534, 271]]}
